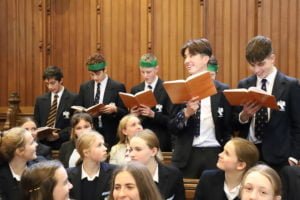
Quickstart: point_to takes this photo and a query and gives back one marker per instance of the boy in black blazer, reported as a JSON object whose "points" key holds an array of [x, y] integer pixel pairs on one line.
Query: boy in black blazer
{"points": [[156, 118], [107, 119], [53, 78], [201, 127], [279, 137]]}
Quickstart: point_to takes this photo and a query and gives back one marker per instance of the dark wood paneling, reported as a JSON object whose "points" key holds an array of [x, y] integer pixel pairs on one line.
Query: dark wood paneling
{"points": [[38, 33]]}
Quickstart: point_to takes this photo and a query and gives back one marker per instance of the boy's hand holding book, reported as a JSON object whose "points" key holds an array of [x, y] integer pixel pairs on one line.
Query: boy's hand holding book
{"points": [[199, 85]]}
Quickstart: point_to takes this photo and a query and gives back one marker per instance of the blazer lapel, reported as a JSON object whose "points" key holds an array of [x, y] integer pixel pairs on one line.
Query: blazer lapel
{"points": [[62, 103], [108, 92], [163, 179], [102, 180], [279, 85], [77, 183], [251, 82], [90, 93], [158, 88], [214, 102]]}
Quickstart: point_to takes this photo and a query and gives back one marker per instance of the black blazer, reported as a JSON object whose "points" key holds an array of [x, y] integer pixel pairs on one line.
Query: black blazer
{"points": [[222, 117], [103, 184], [290, 177], [170, 182], [163, 112], [9, 187], [211, 186], [65, 152], [111, 95], [283, 128], [43, 150], [42, 109]]}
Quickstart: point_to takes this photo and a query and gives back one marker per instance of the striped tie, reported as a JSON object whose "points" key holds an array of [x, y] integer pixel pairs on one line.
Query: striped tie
{"points": [[52, 113]]}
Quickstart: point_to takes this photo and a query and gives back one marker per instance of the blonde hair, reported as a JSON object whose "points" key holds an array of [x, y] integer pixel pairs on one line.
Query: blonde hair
{"points": [[267, 172], [10, 141], [122, 126], [86, 140], [245, 151], [151, 140]]}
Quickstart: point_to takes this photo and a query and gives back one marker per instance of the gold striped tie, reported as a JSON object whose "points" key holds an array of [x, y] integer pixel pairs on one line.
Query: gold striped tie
{"points": [[52, 113]]}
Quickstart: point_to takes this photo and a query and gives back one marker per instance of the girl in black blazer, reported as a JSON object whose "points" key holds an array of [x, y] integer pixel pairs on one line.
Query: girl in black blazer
{"points": [[17, 148], [145, 148], [68, 154], [30, 125], [91, 178], [224, 183]]}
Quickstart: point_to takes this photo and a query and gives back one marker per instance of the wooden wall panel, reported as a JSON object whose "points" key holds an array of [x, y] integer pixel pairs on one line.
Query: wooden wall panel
{"points": [[73, 26], [38, 33], [229, 25], [21, 53], [280, 20], [174, 22]]}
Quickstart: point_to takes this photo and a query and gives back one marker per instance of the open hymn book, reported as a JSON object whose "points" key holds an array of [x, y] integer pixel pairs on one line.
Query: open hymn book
{"points": [[93, 110], [43, 132], [145, 97], [198, 85], [239, 96]]}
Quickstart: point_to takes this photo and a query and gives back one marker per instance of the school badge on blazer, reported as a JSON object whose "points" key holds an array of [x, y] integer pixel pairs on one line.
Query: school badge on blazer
{"points": [[220, 112], [159, 107]]}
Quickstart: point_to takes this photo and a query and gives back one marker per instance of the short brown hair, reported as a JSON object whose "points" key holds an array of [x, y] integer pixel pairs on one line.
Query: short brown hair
{"points": [[95, 58], [258, 49], [197, 46]]}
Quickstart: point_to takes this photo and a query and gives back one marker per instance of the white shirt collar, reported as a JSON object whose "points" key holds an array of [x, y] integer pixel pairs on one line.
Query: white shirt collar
{"points": [[153, 84], [102, 83], [59, 93], [155, 175], [85, 175], [232, 194], [15, 176], [270, 78]]}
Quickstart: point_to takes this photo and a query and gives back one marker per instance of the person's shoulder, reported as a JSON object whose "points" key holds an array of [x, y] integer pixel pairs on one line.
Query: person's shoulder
{"points": [[290, 170], [208, 174], [220, 85], [171, 170], [67, 144], [86, 83], [115, 82], [107, 166], [138, 87], [43, 96], [70, 93], [73, 171]]}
